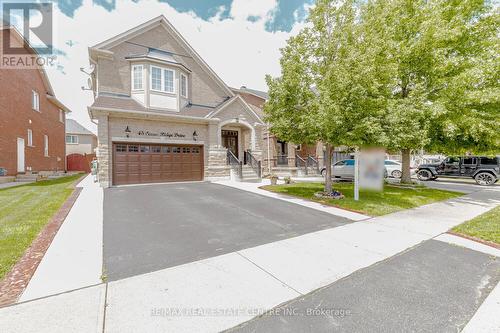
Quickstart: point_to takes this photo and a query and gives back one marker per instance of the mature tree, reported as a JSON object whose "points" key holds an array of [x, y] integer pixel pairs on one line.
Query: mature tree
{"points": [[468, 116], [442, 71], [329, 89]]}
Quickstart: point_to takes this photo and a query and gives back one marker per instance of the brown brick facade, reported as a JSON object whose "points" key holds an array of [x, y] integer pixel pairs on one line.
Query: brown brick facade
{"points": [[17, 116]]}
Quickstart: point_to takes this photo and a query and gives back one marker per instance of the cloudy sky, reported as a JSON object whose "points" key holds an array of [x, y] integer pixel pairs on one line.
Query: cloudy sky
{"points": [[239, 39]]}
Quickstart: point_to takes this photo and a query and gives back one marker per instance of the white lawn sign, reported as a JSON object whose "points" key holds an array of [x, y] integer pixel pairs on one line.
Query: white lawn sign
{"points": [[370, 170]]}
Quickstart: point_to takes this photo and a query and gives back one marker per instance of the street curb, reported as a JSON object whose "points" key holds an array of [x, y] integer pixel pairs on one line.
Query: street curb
{"points": [[16, 281], [475, 239]]}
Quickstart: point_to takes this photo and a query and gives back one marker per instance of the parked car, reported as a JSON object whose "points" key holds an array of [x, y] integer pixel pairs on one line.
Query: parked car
{"points": [[484, 170], [392, 169], [345, 169]]}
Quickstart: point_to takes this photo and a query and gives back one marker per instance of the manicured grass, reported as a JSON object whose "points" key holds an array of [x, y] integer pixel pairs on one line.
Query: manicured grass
{"points": [[392, 199], [485, 226], [24, 211]]}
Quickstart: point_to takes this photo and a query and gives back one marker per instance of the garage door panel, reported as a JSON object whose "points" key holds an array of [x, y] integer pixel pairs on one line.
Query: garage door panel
{"points": [[133, 157], [120, 158], [142, 163], [133, 167], [121, 168]]}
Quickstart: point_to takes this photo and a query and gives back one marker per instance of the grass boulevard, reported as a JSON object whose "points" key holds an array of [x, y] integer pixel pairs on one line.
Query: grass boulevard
{"points": [[24, 212]]}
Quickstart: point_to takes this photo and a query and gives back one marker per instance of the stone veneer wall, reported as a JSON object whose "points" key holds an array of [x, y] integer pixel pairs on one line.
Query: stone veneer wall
{"points": [[104, 152], [217, 164]]}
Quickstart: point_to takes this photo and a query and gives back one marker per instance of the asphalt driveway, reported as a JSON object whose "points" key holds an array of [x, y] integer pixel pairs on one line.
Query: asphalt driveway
{"points": [[152, 227]]}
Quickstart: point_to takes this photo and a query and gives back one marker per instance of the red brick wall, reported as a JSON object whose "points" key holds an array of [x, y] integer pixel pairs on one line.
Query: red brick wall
{"points": [[17, 116], [307, 150]]}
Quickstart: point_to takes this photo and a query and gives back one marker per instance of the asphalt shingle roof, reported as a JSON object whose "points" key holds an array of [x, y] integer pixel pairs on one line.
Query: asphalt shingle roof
{"points": [[128, 103], [259, 93], [73, 127]]}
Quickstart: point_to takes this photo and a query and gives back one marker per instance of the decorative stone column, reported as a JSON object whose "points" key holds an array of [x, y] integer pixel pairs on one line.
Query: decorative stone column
{"points": [[104, 153], [291, 154], [217, 156]]}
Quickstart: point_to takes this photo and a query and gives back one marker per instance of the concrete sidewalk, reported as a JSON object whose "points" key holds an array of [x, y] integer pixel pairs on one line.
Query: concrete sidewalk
{"points": [[74, 258], [218, 293]]}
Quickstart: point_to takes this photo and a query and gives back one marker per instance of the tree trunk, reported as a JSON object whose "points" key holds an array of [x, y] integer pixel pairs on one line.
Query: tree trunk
{"points": [[405, 167], [328, 166]]}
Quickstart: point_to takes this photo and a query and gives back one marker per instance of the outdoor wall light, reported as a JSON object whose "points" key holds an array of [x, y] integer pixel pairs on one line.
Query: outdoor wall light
{"points": [[195, 136], [127, 131]]}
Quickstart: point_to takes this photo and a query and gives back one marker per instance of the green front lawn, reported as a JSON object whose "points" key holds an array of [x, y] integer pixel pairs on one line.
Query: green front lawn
{"points": [[392, 199], [485, 226], [24, 211]]}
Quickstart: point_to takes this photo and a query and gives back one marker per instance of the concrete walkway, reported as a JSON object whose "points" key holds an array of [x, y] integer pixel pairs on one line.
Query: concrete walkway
{"points": [[218, 293], [13, 184], [255, 188], [74, 258]]}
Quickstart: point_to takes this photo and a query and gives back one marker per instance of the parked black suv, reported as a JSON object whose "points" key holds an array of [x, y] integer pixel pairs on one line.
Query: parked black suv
{"points": [[484, 170]]}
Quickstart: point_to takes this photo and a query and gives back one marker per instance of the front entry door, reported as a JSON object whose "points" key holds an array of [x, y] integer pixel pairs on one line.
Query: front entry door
{"points": [[20, 155], [230, 141]]}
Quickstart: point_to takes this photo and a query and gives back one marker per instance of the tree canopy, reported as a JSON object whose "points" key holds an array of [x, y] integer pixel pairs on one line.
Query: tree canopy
{"points": [[394, 73]]}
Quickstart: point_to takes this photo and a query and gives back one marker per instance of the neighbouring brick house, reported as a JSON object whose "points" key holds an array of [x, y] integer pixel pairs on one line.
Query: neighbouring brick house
{"points": [[32, 119], [281, 157]]}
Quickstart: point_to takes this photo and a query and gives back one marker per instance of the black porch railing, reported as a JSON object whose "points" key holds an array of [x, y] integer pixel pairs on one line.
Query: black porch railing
{"points": [[313, 163], [235, 163], [253, 163], [301, 163]]}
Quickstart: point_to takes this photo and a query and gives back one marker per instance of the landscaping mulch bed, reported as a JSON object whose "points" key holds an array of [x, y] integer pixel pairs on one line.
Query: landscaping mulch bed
{"points": [[14, 283]]}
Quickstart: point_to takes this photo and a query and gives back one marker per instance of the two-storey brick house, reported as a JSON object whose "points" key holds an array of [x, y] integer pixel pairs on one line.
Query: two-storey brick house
{"points": [[280, 157], [32, 120], [163, 114]]}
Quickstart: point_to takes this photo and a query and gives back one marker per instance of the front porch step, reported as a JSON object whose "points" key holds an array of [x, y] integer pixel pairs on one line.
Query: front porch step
{"points": [[249, 175], [7, 179]]}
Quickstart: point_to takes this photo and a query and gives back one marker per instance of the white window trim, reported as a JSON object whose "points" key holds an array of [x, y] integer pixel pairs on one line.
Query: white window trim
{"points": [[181, 86], [35, 100], [134, 88], [161, 78], [173, 80], [73, 142], [46, 145], [30, 138]]}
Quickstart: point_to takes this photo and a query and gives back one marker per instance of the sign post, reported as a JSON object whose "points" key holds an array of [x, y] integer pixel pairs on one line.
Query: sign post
{"points": [[356, 175]]}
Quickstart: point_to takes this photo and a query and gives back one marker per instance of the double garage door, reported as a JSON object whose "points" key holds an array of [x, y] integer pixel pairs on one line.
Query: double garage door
{"points": [[146, 163]]}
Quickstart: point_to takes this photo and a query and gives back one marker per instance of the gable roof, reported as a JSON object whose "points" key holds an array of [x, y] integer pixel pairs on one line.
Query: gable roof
{"points": [[159, 21], [74, 127], [240, 100], [12, 31], [258, 93]]}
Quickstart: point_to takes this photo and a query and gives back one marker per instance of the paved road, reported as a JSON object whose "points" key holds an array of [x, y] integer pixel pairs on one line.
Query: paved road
{"points": [[465, 185], [435, 287], [147, 228]]}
